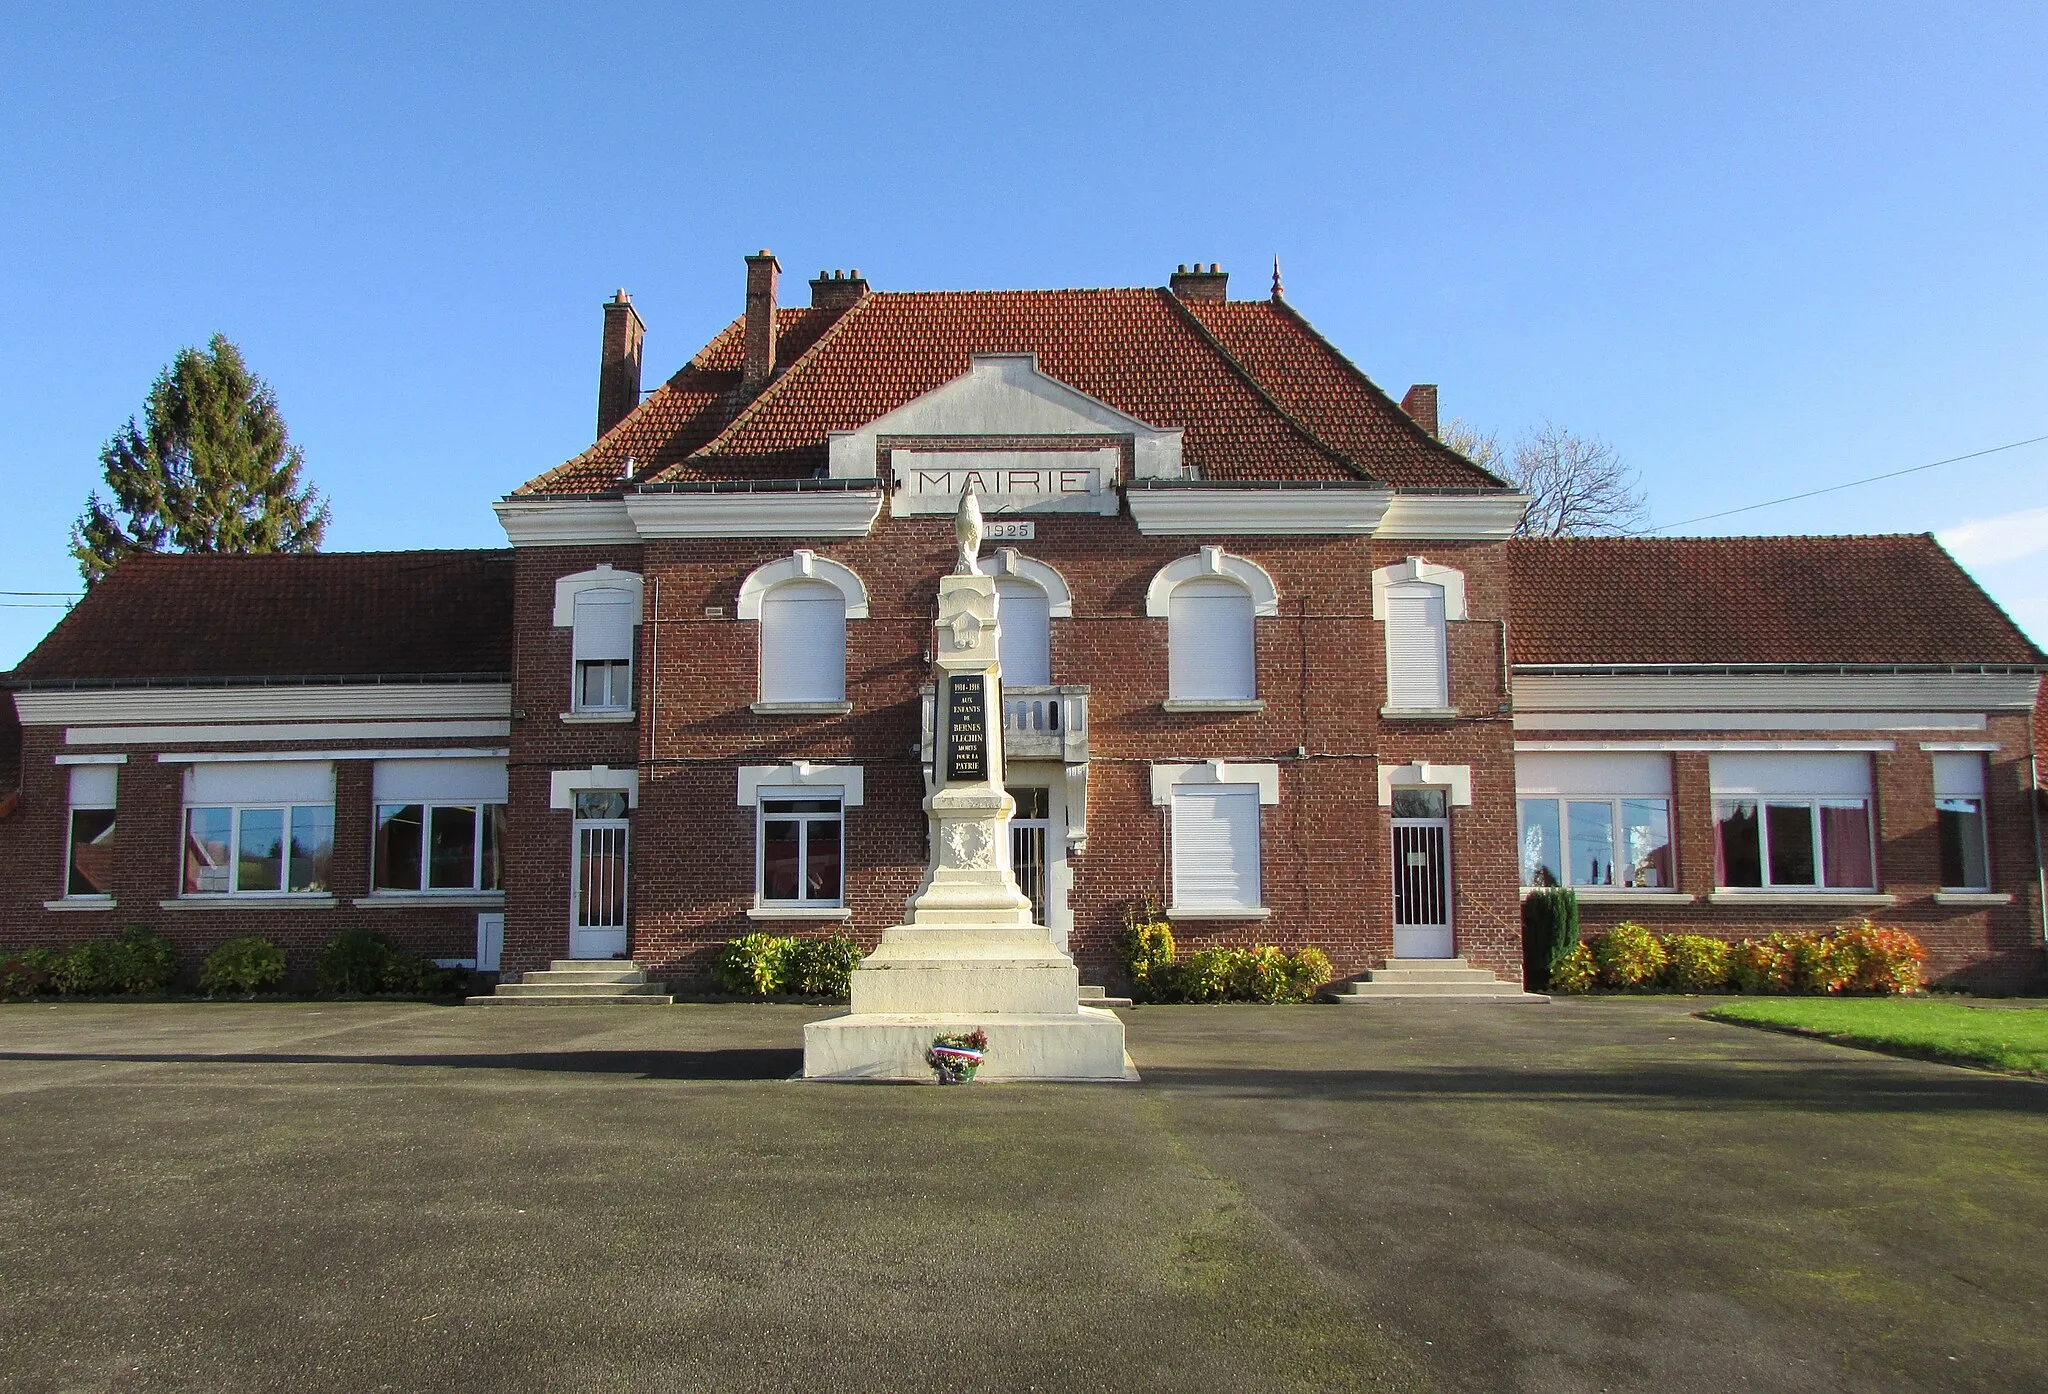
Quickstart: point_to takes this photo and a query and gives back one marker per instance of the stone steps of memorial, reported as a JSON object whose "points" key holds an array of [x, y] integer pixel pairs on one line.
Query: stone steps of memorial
{"points": [[1429, 979]]}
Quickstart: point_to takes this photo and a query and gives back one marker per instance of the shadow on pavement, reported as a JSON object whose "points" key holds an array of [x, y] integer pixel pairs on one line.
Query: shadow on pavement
{"points": [[647, 1064]]}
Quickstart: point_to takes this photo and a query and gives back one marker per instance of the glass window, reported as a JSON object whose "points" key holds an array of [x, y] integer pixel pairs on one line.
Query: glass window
{"points": [[1959, 824], [312, 848], [451, 849], [1592, 842], [1646, 844], [491, 876], [803, 643], [1540, 847], [1795, 844], [399, 830], [1845, 844], [1788, 833], [91, 864], [602, 649], [1738, 856], [801, 851], [601, 805], [270, 849], [1210, 654], [440, 847], [209, 832], [1596, 842], [1415, 802], [259, 861], [604, 686]]}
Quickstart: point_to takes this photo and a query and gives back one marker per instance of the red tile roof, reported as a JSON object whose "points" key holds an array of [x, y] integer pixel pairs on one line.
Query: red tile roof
{"points": [[1753, 600], [326, 615], [1259, 395]]}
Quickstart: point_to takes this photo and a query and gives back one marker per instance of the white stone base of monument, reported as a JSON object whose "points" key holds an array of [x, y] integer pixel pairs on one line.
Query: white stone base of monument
{"points": [[1084, 1045]]}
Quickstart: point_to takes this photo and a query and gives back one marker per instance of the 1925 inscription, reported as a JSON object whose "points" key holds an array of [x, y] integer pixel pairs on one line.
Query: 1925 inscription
{"points": [[966, 728]]}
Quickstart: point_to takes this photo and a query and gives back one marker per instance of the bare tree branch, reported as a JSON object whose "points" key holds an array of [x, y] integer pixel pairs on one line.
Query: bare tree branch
{"points": [[1578, 485]]}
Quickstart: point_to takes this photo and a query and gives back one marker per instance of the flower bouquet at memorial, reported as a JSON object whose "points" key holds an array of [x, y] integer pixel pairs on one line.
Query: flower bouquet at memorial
{"points": [[955, 1057]]}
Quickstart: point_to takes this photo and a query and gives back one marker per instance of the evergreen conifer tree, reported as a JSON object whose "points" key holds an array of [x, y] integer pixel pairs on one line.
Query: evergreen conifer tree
{"points": [[211, 469]]}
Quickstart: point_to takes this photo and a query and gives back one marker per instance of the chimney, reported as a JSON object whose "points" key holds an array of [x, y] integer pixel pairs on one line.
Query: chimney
{"points": [[763, 271], [618, 365], [1420, 403], [1200, 284], [835, 290]]}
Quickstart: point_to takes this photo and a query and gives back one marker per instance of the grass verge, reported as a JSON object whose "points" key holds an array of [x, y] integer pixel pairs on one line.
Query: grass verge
{"points": [[2011, 1038]]}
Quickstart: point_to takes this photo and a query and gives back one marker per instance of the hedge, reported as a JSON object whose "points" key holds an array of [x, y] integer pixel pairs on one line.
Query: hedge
{"points": [[1858, 958]]}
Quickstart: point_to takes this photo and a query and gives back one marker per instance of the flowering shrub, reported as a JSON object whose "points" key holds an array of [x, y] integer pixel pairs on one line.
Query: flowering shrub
{"points": [[1576, 972], [1886, 960], [1762, 965], [1629, 956], [25, 972], [1696, 963], [1204, 976]]}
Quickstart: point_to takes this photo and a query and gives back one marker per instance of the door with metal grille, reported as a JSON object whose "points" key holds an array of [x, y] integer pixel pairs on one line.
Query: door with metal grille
{"points": [[597, 882], [1029, 826], [1422, 873]]}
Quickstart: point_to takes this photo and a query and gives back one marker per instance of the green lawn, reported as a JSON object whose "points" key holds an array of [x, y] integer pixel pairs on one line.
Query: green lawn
{"points": [[2000, 1037]]}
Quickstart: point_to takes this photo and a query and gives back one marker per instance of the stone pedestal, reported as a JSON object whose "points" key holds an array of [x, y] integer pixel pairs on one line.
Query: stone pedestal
{"points": [[968, 955]]}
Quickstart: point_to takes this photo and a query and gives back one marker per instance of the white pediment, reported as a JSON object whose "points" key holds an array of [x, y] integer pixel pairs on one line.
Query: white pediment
{"points": [[1032, 462]]}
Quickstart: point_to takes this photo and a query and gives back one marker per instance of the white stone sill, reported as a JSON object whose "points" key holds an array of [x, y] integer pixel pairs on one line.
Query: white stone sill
{"points": [[598, 718], [81, 902], [1972, 898], [418, 900], [1419, 713], [1198, 704], [1592, 895], [1872, 899], [800, 708], [253, 900], [1217, 912], [799, 912]]}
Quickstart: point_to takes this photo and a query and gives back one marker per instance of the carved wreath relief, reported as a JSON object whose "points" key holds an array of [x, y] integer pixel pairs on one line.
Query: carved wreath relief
{"points": [[969, 845]]}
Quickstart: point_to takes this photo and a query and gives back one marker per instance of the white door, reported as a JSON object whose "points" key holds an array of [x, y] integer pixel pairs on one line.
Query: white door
{"points": [[597, 890], [1422, 874], [1029, 829], [490, 941]]}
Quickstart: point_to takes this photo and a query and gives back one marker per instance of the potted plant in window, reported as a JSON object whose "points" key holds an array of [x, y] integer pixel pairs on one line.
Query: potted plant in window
{"points": [[954, 1057]]}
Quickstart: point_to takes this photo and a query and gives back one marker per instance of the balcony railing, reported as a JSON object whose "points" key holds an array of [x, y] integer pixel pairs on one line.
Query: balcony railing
{"points": [[1039, 723]]}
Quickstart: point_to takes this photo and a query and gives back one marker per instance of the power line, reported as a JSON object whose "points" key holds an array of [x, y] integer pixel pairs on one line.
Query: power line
{"points": [[1836, 488], [60, 595]]}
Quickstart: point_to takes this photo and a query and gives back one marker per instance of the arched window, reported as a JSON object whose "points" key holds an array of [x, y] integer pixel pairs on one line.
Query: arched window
{"points": [[1024, 644], [604, 649], [803, 643], [1209, 642]]}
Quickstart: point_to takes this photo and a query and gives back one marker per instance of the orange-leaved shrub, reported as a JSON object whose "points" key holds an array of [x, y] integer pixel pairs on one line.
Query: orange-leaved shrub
{"points": [[1886, 960], [1696, 963], [1762, 965]]}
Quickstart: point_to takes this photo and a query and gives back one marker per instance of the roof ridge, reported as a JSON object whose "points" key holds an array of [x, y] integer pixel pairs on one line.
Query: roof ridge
{"points": [[710, 447], [1402, 417], [1295, 423]]}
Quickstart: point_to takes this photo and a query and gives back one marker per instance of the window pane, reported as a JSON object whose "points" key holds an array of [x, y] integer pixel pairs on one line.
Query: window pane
{"points": [[399, 830], [1845, 843], [92, 852], [259, 858], [1420, 803], [312, 847], [1646, 843], [451, 849], [1540, 864], [1788, 828], [1591, 829], [1737, 859], [779, 850], [600, 803], [800, 805], [821, 859], [604, 686], [493, 878], [1031, 803], [208, 833], [1960, 824]]}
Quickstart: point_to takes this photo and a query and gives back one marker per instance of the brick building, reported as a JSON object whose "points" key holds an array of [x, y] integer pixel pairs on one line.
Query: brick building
{"points": [[1271, 657]]}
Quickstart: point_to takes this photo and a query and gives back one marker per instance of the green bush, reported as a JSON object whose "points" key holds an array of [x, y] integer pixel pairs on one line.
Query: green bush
{"points": [[1822, 963], [1629, 956], [354, 963], [1762, 965], [821, 967], [242, 967], [1577, 972], [1146, 943], [1696, 963], [133, 961], [1310, 970], [751, 965], [25, 972], [1550, 931]]}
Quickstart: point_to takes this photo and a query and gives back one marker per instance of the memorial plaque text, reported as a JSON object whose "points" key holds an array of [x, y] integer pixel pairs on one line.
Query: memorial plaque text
{"points": [[966, 728]]}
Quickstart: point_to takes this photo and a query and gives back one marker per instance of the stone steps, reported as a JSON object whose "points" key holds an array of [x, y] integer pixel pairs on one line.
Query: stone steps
{"points": [[581, 983], [1098, 997], [1429, 979]]}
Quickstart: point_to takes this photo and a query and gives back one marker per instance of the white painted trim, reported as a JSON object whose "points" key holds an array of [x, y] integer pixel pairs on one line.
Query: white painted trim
{"points": [[1421, 713], [597, 718], [1568, 747], [563, 784], [849, 780], [1963, 747], [1458, 778], [1613, 895], [803, 513], [243, 757], [365, 701], [90, 760], [1972, 898], [1447, 578], [1265, 775], [81, 902], [564, 522], [1750, 721], [1009, 562], [1217, 912], [803, 565], [1430, 517], [1870, 899], [799, 912], [602, 578], [1823, 692], [1257, 512], [268, 900], [424, 900], [1207, 563], [300, 731], [800, 708], [1214, 704]]}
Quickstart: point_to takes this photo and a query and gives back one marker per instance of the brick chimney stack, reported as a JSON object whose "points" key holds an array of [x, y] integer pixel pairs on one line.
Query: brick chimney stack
{"points": [[618, 366], [836, 290], [1420, 403], [1200, 284], [763, 273]]}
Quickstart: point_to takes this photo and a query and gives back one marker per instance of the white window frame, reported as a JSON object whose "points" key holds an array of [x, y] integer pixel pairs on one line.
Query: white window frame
{"points": [[801, 780], [234, 869], [801, 565], [1170, 779], [817, 794], [427, 807], [1208, 564], [1948, 790], [75, 806], [1813, 803], [1563, 803]]}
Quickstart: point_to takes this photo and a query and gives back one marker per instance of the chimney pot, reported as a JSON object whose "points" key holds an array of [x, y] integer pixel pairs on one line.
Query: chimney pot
{"points": [[837, 290], [1211, 283], [763, 273], [618, 365], [1420, 403]]}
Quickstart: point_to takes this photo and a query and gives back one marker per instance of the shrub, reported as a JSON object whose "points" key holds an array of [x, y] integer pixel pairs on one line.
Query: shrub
{"points": [[1629, 956], [752, 965], [24, 973], [1309, 970], [242, 967], [820, 967], [1761, 965], [1203, 976], [1146, 943], [1696, 963], [356, 962], [1577, 972], [1260, 974], [1550, 931], [1885, 960], [133, 961], [1821, 963]]}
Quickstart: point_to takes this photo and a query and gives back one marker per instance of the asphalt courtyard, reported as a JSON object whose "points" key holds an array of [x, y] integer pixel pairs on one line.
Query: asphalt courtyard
{"points": [[1600, 1195]]}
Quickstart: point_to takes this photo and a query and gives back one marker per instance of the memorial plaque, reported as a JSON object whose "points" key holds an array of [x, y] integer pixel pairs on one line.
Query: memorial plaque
{"points": [[966, 728]]}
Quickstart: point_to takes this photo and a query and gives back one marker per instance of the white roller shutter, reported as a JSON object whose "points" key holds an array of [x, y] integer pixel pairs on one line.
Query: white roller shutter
{"points": [[260, 781], [803, 643], [1646, 775], [1957, 775], [1209, 647], [604, 626], [440, 781], [1417, 675], [92, 786], [1024, 645], [1216, 845], [1822, 772]]}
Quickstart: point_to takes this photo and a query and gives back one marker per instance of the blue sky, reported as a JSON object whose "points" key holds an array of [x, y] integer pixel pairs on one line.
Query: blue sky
{"points": [[1760, 248]]}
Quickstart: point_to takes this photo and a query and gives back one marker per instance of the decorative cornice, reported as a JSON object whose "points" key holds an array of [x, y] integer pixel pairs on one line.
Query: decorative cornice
{"points": [[1473, 517], [1186, 512], [163, 706], [1825, 692], [847, 513], [542, 522]]}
